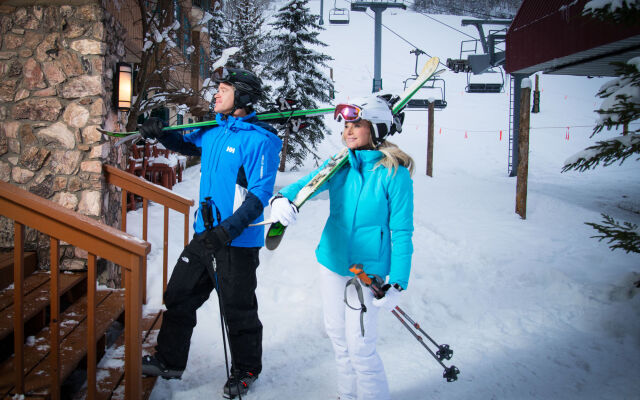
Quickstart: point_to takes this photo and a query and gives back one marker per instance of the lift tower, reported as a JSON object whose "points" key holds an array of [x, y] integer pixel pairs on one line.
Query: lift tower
{"points": [[377, 7]]}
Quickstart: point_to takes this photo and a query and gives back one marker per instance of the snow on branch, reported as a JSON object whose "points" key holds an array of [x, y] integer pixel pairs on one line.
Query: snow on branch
{"points": [[606, 152], [625, 11], [622, 96], [224, 57]]}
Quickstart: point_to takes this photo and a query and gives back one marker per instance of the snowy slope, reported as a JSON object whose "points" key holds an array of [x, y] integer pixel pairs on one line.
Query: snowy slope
{"points": [[534, 308]]}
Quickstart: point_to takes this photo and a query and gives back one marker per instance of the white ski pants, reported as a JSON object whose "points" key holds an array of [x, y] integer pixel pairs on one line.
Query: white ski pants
{"points": [[360, 371]]}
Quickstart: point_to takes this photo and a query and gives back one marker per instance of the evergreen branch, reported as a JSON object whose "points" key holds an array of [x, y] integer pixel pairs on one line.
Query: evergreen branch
{"points": [[627, 13], [620, 236], [605, 152]]}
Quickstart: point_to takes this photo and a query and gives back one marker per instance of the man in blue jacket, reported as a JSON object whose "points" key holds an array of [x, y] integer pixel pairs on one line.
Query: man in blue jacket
{"points": [[239, 160]]}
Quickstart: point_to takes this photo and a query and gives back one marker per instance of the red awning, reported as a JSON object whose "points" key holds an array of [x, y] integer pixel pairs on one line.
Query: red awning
{"points": [[554, 37]]}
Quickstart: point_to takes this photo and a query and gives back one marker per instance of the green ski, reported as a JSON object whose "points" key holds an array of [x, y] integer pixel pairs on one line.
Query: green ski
{"points": [[262, 117], [276, 229]]}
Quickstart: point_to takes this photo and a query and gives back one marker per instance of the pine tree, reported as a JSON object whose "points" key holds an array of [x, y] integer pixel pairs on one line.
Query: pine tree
{"points": [[621, 106], [298, 71], [244, 31], [217, 33]]}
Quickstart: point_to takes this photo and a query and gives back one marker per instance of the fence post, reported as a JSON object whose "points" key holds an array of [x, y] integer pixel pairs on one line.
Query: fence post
{"points": [[523, 150], [54, 325], [18, 306], [430, 139], [133, 329]]}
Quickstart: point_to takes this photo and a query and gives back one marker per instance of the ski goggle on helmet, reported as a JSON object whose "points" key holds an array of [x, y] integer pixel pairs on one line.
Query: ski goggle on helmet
{"points": [[373, 109], [347, 113]]}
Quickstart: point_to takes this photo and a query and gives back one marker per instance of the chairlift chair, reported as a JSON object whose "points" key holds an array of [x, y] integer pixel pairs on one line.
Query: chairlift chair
{"points": [[438, 103], [485, 87], [338, 16], [433, 85]]}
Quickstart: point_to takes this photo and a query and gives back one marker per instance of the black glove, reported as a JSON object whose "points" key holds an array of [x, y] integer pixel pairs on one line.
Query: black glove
{"points": [[215, 239], [152, 128]]}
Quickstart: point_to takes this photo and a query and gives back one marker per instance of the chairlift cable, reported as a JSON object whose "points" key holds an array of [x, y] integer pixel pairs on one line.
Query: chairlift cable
{"points": [[440, 22], [462, 11], [401, 37]]}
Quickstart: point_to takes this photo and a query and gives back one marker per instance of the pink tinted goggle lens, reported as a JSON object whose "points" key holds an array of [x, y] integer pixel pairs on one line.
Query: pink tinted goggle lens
{"points": [[347, 112]]}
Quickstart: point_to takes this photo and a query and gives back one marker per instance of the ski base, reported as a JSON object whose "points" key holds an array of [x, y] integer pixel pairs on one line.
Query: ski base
{"points": [[274, 235]]}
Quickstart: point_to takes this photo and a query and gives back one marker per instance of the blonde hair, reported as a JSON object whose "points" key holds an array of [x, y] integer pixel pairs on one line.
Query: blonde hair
{"points": [[394, 157]]}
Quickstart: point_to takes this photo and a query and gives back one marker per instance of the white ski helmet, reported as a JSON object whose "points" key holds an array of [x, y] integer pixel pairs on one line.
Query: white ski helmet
{"points": [[371, 108]]}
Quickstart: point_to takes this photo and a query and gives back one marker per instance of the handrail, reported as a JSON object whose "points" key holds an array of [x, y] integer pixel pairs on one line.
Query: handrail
{"points": [[61, 224], [159, 194]]}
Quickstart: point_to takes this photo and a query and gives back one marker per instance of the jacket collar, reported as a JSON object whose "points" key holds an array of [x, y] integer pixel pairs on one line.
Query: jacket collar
{"points": [[359, 158], [233, 121]]}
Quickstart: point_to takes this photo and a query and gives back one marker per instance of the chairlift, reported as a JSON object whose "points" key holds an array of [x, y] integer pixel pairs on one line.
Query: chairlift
{"points": [[338, 16], [435, 86], [432, 85], [486, 87]]}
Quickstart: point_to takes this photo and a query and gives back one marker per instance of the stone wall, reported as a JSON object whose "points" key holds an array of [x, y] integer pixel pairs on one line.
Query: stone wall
{"points": [[56, 68]]}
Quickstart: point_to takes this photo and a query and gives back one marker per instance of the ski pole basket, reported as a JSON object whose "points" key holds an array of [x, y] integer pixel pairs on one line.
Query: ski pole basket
{"points": [[444, 352]]}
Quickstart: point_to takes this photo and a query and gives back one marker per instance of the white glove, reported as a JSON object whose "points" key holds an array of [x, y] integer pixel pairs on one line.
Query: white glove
{"points": [[389, 301], [283, 211]]}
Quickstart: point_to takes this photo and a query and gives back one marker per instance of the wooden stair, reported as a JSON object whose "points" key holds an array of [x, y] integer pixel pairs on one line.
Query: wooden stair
{"points": [[73, 335]]}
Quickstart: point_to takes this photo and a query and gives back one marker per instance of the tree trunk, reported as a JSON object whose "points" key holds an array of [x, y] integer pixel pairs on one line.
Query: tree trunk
{"points": [[283, 154]]}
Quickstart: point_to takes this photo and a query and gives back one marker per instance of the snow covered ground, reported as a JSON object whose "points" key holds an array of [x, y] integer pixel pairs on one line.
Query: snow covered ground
{"points": [[533, 309]]}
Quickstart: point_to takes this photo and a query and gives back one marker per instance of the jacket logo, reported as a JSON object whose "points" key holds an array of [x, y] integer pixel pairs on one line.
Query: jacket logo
{"points": [[231, 149]]}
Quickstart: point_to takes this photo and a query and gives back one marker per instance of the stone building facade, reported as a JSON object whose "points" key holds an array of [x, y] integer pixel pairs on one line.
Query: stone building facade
{"points": [[56, 72]]}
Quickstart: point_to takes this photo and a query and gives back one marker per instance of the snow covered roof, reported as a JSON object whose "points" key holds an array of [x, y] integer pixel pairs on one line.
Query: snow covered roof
{"points": [[554, 37]]}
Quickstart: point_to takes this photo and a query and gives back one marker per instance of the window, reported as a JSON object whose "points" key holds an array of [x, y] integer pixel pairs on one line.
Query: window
{"points": [[186, 37], [203, 67], [203, 4]]}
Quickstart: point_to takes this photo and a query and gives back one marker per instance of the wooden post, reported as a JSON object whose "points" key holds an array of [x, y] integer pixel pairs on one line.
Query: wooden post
{"points": [[54, 325], [430, 139], [133, 330], [18, 305], [523, 150], [536, 98], [92, 338], [283, 154]]}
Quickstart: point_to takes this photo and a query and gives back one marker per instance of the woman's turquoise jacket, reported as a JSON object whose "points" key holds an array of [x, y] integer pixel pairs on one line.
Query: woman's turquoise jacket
{"points": [[370, 220]]}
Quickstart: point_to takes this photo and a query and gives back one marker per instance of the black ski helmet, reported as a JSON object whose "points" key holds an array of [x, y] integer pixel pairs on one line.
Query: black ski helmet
{"points": [[248, 87]]}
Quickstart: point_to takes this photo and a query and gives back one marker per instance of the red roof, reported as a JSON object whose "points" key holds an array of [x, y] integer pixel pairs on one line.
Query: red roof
{"points": [[554, 37]]}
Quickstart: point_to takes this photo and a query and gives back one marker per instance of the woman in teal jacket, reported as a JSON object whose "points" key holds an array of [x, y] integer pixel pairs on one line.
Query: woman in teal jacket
{"points": [[370, 223]]}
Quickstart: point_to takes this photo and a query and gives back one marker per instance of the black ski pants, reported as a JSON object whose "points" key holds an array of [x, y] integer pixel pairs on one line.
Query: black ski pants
{"points": [[190, 286]]}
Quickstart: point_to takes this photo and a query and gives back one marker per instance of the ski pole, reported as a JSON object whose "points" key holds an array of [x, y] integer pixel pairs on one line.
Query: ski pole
{"points": [[373, 282], [212, 269], [450, 373], [444, 352]]}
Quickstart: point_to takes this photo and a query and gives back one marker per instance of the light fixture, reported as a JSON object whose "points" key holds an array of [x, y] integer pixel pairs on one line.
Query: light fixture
{"points": [[123, 86]]}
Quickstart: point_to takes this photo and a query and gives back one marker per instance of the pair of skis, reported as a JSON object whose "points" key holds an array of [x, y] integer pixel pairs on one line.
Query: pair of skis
{"points": [[276, 229]]}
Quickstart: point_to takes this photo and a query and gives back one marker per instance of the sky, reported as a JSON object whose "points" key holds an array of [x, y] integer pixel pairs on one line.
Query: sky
{"points": [[533, 308]]}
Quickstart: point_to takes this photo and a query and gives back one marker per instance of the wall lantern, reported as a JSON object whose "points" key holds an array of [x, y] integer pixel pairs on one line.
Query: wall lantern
{"points": [[123, 86]]}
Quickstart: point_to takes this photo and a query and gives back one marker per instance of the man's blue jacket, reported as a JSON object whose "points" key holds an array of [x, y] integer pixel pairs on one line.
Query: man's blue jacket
{"points": [[239, 161]]}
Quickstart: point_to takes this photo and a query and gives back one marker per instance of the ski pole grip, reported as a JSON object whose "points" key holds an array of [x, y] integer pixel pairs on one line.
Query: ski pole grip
{"points": [[359, 272], [207, 215]]}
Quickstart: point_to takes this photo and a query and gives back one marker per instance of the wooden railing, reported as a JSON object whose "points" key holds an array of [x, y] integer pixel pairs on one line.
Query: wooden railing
{"points": [[27, 209], [156, 193]]}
